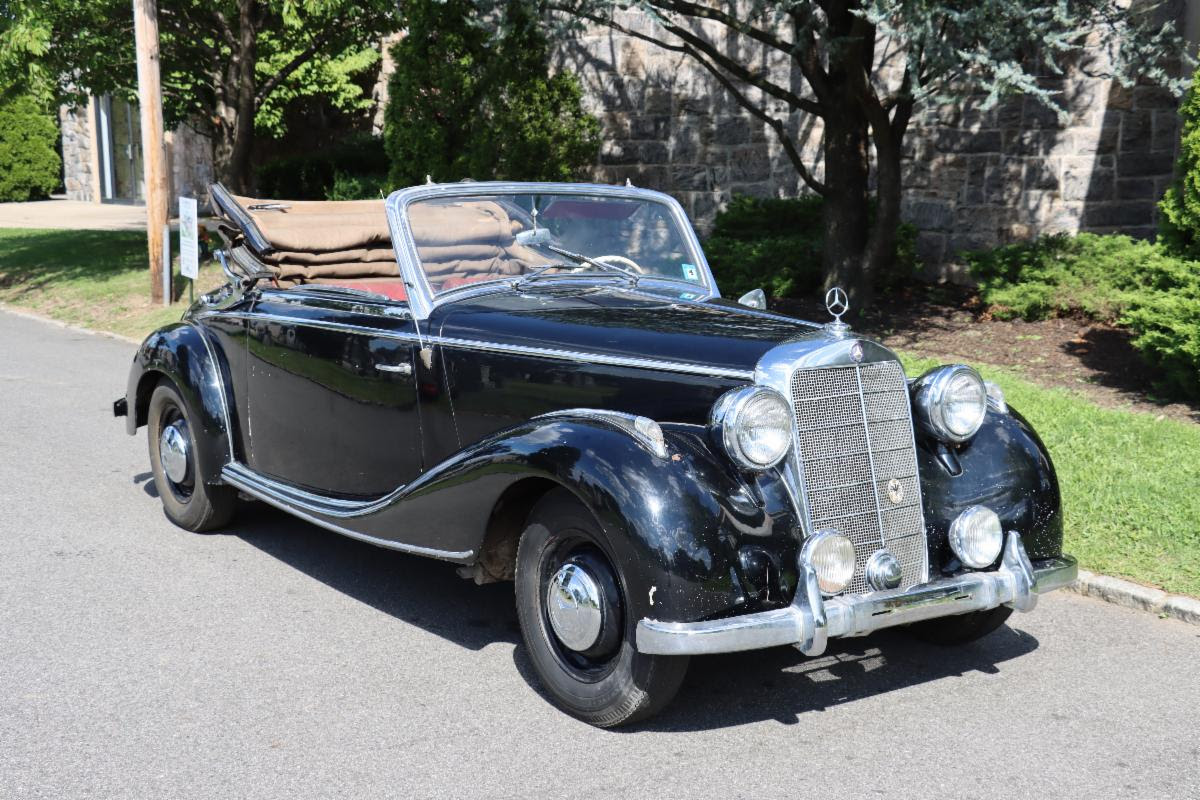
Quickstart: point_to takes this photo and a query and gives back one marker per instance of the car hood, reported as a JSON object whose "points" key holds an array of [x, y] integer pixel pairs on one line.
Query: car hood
{"points": [[620, 322]]}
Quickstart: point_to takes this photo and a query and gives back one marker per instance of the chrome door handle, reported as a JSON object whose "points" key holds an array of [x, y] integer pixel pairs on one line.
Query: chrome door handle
{"points": [[399, 369]]}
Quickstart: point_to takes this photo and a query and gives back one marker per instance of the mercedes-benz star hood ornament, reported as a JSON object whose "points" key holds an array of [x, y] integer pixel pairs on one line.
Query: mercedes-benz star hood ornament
{"points": [[837, 304]]}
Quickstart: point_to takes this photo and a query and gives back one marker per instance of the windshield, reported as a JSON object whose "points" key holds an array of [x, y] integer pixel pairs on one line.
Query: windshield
{"points": [[464, 240]]}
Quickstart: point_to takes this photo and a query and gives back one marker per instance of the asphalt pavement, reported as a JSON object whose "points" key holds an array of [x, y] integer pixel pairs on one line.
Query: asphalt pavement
{"points": [[275, 659]]}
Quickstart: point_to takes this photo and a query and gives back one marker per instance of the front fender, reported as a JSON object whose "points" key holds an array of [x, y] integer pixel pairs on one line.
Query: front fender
{"points": [[184, 354], [1005, 467], [692, 538]]}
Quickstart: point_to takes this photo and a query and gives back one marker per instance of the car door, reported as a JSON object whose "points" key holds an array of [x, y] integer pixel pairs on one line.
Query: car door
{"points": [[332, 402]]}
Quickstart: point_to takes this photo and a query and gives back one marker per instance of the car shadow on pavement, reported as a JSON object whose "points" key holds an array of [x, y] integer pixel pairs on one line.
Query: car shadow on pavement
{"points": [[419, 591], [783, 685]]}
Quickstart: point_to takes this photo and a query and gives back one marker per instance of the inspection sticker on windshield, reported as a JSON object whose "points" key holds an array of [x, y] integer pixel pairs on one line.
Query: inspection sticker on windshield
{"points": [[690, 272]]}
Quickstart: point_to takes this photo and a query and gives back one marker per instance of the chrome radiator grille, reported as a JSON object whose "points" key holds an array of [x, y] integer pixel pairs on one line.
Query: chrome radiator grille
{"points": [[854, 428]]}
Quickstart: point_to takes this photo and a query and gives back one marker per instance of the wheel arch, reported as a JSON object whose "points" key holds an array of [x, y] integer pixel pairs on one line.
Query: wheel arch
{"points": [[183, 355]]}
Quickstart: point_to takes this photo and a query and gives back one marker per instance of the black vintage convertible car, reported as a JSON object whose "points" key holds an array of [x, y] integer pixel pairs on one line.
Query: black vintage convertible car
{"points": [[542, 383]]}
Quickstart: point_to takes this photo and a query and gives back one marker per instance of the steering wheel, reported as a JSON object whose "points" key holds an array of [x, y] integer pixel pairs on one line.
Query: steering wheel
{"points": [[622, 261]]}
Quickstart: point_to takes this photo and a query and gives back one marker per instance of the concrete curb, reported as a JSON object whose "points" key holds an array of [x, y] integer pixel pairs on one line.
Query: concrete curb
{"points": [[1134, 595]]}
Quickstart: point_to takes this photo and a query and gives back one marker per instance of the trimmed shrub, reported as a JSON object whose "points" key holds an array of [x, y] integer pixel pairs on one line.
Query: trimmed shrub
{"points": [[469, 100], [30, 168], [777, 244], [1115, 279], [357, 162]]}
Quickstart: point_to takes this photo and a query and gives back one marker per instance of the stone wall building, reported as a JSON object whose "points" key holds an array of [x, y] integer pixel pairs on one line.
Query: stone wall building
{"points": [[973, 178], [102, 155]]}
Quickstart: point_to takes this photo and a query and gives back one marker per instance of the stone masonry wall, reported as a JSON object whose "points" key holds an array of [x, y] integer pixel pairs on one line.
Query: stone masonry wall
{"points": [[76, 153], [973, 180]]}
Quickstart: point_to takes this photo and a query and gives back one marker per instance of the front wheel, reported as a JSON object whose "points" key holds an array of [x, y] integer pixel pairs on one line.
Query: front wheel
{"points": [[962, 628], [187, 500], [575, 621]]}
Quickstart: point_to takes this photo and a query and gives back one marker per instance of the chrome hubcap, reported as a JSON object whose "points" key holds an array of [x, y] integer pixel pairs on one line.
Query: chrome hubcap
{"points": [[173, 452], [573, 606]]}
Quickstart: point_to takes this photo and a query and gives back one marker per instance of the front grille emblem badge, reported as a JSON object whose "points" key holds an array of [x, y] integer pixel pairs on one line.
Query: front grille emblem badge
{"points": [[856, 352], [837, 303], [895, 491]]}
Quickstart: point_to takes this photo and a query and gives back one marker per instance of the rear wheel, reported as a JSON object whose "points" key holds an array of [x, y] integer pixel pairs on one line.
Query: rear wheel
{"points": [[575, 623], [962, 628], [187, 500]]}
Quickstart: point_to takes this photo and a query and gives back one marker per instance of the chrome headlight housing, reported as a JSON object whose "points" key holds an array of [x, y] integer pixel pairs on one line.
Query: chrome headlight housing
{"points": [[949, 403], [754, 426]]}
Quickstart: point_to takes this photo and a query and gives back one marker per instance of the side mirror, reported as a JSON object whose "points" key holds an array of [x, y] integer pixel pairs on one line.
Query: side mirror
{"points": [[754, 299]]}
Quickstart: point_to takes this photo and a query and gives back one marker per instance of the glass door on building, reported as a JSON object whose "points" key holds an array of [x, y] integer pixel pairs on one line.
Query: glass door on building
{"points": [[119, 137]]}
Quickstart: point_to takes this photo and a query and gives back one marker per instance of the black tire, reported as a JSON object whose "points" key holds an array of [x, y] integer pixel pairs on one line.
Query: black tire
{"points": [[610, 683], [962, 628], [190, 503]]}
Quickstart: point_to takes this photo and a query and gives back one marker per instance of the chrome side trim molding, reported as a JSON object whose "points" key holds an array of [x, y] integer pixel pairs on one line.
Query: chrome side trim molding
{"points": [[289, 499], [497, 347], [811, 620]]}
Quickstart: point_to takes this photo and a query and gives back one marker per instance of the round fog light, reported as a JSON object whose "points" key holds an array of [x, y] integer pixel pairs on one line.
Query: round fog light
{"points": [[976, 537], [831, 555]]}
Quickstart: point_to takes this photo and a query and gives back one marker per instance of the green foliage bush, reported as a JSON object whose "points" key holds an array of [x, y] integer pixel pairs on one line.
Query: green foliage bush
{"points": [[777, 244], [358, 162], [1179, 209], [30, 168], [469, 100], [1116, 279]]}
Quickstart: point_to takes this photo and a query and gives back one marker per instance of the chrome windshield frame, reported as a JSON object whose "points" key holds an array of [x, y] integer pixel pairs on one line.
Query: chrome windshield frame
{"points": [[422, 299]]}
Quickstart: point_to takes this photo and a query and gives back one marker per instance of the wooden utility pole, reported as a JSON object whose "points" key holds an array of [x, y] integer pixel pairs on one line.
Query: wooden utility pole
{"points": [[154, 156]]}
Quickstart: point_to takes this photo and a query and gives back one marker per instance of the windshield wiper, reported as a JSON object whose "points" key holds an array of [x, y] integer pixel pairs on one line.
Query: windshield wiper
{"points": [[582, 259], [535, 274]]}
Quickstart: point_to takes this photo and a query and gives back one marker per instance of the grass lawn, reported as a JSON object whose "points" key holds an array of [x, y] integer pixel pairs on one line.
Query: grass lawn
{"points": [[97, 279], [1130, 481]]}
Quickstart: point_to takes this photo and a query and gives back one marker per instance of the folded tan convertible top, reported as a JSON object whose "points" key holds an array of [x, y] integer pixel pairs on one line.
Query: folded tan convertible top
{"points": [[303, 240]]}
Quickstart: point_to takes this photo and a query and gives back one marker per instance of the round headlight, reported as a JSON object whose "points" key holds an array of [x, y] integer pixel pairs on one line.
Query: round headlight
{"points": [[831, 555], [976, 537], [754, 425], [950, 402]]}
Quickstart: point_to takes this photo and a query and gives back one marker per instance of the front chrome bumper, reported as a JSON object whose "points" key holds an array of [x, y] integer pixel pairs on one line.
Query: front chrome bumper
{"points": [[810, 621]]}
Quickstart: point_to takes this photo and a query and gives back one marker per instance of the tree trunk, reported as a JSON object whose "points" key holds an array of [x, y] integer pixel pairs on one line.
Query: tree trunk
{"points": [[881, 244], [236, 106], [847, 204]]}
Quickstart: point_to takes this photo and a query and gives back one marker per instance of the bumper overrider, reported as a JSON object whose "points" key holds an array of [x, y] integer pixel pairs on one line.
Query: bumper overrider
{"points": [[811, 620]]}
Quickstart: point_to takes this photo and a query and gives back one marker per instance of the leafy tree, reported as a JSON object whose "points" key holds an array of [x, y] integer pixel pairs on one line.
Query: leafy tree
{"points": [[473, 97], [863, 67], [1179, 210], [29, 165], [228, 66]]}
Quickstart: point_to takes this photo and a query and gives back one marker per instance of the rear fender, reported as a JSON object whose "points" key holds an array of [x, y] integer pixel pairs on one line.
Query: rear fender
{"points": [[185, 355]]}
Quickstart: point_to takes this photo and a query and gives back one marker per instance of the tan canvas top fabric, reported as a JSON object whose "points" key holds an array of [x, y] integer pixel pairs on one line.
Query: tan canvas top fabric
{"points": [[456, 239], [320, 226]]}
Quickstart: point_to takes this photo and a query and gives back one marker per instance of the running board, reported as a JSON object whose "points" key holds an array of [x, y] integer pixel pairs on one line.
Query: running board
{"points": [[317, 509]]}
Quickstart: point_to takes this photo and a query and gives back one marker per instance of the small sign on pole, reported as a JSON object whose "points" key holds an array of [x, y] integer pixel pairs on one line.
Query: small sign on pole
{"points": [[189, 242]]}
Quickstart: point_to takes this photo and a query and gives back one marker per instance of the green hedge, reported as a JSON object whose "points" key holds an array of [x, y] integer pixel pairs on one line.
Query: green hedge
{"points": [[353, 169], [1115, 279], [1179, 210], [777, 244], [30, 168]]}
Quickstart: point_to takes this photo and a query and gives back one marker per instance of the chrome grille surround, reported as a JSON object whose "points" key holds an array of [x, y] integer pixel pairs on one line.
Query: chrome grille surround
{"points": [[854, 435]]}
